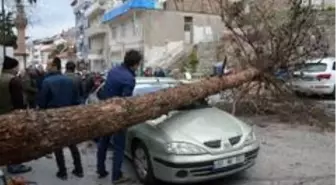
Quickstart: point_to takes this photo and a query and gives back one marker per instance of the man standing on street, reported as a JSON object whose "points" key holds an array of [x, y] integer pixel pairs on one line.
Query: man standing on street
{"points": [[11, 98], [30, 87], [60, 91], [120, 82], [70, 72]]}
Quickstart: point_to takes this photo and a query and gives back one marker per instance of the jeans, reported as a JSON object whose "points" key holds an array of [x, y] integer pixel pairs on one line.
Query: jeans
{"points": [[75, 156], [119, 140]]}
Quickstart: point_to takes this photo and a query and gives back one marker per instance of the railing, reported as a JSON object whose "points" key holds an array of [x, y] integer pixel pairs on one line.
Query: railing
{"points": [[186, 50], [99, 51], [167, 55], [171, 56], [95, 30]]}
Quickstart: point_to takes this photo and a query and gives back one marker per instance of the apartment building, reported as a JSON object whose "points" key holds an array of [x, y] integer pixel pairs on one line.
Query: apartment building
{"points": [[79, 8], [160, 34], [61, 45], [39, 50], [96, 34]]}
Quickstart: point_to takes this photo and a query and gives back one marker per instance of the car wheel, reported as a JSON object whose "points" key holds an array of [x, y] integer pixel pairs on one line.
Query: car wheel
{"points": [[142, 164], [299, 94]]}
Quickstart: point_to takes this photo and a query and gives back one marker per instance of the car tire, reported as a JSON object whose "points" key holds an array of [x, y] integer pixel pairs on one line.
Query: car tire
{"points": [[299, 94], [142, 164]]}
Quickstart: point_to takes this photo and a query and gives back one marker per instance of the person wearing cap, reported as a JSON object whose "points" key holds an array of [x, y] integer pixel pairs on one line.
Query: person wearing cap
{"points": [[11, 98]]}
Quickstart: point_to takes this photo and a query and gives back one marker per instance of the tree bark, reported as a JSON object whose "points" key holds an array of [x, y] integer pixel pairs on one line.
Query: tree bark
{"points": [[28, 135]]}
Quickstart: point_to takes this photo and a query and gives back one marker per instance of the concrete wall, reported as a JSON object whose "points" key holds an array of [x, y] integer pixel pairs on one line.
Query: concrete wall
{"points": [[161, 27], [327, 22], [165, 37], [159, 34], [124, 33]]}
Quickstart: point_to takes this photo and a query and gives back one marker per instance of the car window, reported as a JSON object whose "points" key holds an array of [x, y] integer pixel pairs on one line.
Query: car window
{"points": [[314, 67]]}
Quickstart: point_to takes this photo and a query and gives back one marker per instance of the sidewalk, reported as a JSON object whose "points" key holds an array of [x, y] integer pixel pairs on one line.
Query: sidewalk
{"points": [[44, 170]]}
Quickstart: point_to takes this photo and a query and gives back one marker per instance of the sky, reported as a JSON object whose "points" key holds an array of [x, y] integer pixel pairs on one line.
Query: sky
{"points": [[49, 17]]}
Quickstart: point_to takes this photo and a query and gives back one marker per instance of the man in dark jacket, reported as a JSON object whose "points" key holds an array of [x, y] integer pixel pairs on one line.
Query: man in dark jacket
{"points": [[30, 87], [60, 91], [120, 82], [70, 68], [11, 98]]}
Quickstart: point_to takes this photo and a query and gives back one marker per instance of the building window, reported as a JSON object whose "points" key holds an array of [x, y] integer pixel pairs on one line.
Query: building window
{"points": [[188, 21], [123, 30], [89, 43], [114, 32], [86, 23]]}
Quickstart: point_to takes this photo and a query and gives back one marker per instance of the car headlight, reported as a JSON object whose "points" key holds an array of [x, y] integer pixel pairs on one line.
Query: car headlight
{"points": [[250, 138], [182, 148]]}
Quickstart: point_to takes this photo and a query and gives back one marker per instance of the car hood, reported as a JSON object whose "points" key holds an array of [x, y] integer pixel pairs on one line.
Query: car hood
{"points": [[202, 125]]}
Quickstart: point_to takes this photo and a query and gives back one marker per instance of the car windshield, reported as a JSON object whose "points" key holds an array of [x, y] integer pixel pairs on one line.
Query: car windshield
{"points": [[142, 89], [314, 67]]}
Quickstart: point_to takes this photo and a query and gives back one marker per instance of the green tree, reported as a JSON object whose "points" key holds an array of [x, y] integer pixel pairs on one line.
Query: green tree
{"points": [[7, 24], [193, 61], [7, 35]]}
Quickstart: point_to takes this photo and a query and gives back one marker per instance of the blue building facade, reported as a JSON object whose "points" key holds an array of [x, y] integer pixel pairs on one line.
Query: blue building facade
{"points": [[79, 7], [129, 5]]}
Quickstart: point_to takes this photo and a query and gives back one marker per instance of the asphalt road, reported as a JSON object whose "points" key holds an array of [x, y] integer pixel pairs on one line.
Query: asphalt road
{"points": [[289, 155]]}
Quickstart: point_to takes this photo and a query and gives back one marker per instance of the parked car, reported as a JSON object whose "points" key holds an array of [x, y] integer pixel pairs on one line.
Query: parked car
{"points": [[316, 77], [192, 144]]}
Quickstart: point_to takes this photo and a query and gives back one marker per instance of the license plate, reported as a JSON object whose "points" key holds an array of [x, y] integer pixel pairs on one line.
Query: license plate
{"points": [[307, 78], [229, 161]]}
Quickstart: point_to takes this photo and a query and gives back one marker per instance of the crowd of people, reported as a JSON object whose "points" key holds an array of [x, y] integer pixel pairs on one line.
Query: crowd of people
{"points": [[158, 72], [39, 89]]}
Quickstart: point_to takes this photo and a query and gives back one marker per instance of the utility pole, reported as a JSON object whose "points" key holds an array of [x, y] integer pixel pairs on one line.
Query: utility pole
{"points": [[3, 19]]}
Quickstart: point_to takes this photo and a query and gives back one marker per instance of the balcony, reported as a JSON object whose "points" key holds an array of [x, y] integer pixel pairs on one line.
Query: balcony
{"points": [[96, 54], [95, 30], [95, 9], [80, 5], [99, 51]]}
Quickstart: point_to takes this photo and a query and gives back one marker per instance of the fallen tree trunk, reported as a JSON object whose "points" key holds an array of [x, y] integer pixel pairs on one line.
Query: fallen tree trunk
{"points": [[28, 135]]}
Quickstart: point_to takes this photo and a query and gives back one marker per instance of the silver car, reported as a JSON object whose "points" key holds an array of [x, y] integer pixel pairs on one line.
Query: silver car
{"points": [[193, 144]]}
